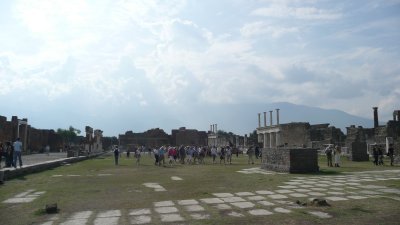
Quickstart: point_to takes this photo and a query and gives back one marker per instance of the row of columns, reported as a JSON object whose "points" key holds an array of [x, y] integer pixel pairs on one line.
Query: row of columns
{"points": [[213, 128], [271, 139], [270, 118]]}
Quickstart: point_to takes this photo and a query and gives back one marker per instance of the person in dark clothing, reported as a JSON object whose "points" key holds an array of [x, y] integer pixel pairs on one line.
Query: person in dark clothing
{"points": [[391, 154], [257, 152], [380, 156], [376, 155], [116, 155], [9, 154]]}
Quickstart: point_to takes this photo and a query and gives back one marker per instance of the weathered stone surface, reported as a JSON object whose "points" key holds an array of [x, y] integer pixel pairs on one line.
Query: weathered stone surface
{"points": [[299, 160]]}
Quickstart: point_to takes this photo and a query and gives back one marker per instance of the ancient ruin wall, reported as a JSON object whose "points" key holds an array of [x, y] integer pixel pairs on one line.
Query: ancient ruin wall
{"points": [[293, 160]]}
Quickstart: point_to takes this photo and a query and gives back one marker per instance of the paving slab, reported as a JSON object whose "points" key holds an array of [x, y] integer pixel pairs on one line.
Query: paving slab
{"points": [[81, 215], [176, 178], [357, 197], [199, 216], [288, 186], [335, 193], [223, 195], [260, 212], [265, 192], [282, 210], [306, 186], [223, 206], [316, 193], [75, 222], [106, 221], [256, 198], [194, 208], [165, 210], [322, 185], [243, 205], [188, 202], [283, 191], [277, 196], [109, 213], [171, 218], [318, 189], [244, 193], [322, 215], [235, 214], [390, 190], [143, 219], [266, 203], [336, 198], [163, 203], [19, 200], [298, 195], [302, 190], [233, 199], [138, 212], [211, 200]]}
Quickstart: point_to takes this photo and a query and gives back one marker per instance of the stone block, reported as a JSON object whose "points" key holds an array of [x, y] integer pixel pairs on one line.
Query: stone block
{"points": [[292, 160], [358, 152]]}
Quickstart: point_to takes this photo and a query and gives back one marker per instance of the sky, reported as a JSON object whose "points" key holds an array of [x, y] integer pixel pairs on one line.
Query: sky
{"points": [[135, 65]]}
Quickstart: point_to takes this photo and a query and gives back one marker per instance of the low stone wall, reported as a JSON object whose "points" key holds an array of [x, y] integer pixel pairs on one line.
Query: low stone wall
{"points": [[298, 160], [10, 173]]}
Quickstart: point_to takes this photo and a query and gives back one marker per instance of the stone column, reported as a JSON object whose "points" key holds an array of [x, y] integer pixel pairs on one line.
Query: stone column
{"points": [[270, 118], [265, 119], [278, 139], [211, 128], [216, 129], [277, 116], [265, 140], [270, 139], [376, 122], [259, 120], [273, 140]]}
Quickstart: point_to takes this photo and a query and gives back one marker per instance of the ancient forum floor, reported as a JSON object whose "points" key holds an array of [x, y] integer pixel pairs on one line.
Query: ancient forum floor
{"points": [[340, 188]]}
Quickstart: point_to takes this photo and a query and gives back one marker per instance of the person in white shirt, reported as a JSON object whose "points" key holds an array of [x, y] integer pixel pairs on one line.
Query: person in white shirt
{"points": [[17, 152]]}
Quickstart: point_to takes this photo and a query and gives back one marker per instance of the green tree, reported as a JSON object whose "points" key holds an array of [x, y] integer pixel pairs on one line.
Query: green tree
{"points": [[68, 135]]}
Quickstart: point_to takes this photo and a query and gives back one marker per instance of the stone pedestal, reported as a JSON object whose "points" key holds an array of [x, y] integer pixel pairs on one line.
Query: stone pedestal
{"points": [[296, 160], [358, 152]]}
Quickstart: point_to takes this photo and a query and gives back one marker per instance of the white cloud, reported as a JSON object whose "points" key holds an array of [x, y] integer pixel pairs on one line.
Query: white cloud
{"points": [[306, 13], [262, 28]]}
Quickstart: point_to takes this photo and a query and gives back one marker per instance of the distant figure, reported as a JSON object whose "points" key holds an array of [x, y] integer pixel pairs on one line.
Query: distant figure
{"points": [[222, 155], [328, 152], [257, 152], [338, 151], [156, 156], [391, 154], [250, 154], [128, 153], [375, 155], [17, 153], [161, 156], [380, 156], [9, 151], [47, 149], [138, 155], [214, 153], [116, 155], [182, 154], [1, 152], [228, 154]]}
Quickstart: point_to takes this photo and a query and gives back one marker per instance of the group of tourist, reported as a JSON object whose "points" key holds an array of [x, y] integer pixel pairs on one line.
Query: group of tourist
{"points": [[333, 151], [11, 152], [377, 153], [188, 154]]}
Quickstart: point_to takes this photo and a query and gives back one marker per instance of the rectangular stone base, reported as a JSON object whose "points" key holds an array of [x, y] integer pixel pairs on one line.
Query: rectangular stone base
{"points": [[297, 160], [358, 152]]}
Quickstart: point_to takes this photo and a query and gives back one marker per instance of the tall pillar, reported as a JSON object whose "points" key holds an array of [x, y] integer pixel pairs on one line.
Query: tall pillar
{"points": [[277, 116], [265, 119], [278, 139], [270, 140], [211, 128], [216, 129], [265, 140], [259, 120], [270, 118], [376, 122]]}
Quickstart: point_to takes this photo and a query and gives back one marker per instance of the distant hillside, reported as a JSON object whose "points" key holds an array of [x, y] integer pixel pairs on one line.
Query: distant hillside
{"points": [[242, 119]]}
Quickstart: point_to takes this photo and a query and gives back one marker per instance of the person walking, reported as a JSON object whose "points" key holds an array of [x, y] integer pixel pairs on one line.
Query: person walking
{"points": [[338, 151], [116, 155], [376, 155], [250, 154], [228, 155], [138, 155], [17, 153], [380, 156], [328, 152], [214, 153], [391, 154], [222, 155]]}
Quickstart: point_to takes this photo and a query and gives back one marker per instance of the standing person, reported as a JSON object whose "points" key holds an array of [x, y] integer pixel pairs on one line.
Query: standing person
{"points": [[257, 152], [156, 156], [161, 157], [380, 156], [47, 149], [250, 154], [338, 151], [9, 151], [17, 152], [214, 153], [182, 154], [138, 155], [1, 152], [222, 155], [116, 155], [229, 154], [328, 152], [171, 155], [376, 155], [391, 154], [128, 152]]}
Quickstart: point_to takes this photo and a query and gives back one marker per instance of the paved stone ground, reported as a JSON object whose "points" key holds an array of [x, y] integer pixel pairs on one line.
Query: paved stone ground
{"points": [[38, 158], [350, 186]]}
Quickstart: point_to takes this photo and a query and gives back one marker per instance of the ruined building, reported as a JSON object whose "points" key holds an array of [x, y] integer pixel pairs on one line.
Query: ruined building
{"points": [[183, 136], [296, 134], [221, 138]]}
